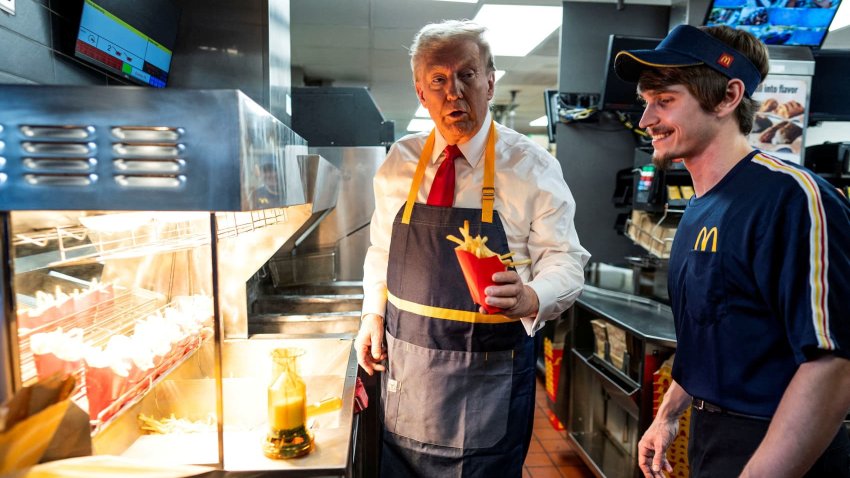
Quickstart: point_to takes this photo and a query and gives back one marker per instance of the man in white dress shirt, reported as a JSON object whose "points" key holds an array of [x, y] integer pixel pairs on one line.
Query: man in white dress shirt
{"points": [[458, 382]]}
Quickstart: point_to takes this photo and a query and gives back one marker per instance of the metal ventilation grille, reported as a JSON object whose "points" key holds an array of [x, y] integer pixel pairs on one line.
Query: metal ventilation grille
{"points": [[148, 156], [58, 132], [58, 155]]}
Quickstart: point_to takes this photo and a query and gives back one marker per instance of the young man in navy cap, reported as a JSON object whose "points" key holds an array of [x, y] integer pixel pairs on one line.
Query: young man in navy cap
{"points": [[758, 274]]}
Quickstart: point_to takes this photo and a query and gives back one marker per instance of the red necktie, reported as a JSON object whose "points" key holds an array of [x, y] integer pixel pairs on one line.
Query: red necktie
{"points": [[443, 188]]}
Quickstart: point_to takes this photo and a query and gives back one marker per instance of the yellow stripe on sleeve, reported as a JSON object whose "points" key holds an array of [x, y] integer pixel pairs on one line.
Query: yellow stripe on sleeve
{"points": [[818, 281]]}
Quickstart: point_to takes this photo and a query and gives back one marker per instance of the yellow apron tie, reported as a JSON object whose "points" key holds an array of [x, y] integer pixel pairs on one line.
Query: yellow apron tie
{"points": [[488, 190]]}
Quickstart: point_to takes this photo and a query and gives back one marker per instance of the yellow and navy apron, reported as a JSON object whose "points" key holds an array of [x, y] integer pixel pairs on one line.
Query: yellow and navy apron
{"points": [[458, 393]]}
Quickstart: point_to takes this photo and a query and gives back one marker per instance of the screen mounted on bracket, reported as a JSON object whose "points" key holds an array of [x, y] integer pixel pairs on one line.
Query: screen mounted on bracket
{"points": [[618, 94], [131, 39]]}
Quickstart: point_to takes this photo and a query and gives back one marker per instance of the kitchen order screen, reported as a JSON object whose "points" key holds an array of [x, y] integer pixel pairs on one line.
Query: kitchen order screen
{"points": [[114, 44]]}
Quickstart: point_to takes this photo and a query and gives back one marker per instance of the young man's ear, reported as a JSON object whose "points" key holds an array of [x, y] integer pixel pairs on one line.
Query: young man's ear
{"points": [[735, 92]]}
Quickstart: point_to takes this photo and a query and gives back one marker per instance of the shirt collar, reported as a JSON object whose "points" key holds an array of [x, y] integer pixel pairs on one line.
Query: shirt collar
{"points": [[473, 150]]}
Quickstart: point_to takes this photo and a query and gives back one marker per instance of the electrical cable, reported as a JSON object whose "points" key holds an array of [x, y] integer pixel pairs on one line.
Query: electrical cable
{"points": [[575, 114], [629, 125]]}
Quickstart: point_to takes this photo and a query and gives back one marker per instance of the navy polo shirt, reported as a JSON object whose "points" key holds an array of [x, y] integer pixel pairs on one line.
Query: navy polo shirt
{"points": [[759, 283]]}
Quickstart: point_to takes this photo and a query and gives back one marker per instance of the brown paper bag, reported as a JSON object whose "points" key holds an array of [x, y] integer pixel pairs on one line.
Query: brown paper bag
{"points": [[42, 423], [23, 445]]}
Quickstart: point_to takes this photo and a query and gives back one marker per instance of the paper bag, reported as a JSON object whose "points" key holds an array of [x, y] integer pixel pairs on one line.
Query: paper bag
{"points": [[23, 445], [478, 273], [42, 423]]}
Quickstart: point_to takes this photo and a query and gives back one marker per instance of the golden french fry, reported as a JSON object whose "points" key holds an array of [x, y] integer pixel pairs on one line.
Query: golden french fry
{"points": [[464, 231], [477, 246], [455, 240]]}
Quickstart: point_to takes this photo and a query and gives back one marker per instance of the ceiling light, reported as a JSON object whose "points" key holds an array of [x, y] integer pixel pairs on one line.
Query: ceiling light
{"points": [[842, 16], [515, 30], [459, 1], [420, 124], [541, 121]]}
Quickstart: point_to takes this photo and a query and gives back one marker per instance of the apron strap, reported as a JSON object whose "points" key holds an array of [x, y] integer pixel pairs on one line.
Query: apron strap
{"points": [[488, 189]]}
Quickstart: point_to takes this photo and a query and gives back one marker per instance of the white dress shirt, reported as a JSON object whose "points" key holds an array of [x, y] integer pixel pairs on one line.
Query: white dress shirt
{"points": [[532, 198]]}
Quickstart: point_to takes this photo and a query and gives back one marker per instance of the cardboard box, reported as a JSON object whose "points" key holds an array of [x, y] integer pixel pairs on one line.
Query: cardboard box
{"points": [[653, 234]]}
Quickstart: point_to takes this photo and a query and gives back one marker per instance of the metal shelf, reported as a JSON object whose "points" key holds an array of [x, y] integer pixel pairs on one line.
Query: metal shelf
{"points": [[133, 234], [99, 323]]}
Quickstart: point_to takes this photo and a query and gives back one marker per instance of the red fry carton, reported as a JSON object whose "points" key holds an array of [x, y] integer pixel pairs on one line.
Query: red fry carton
{"points": [[478, 273], [103, 386]]}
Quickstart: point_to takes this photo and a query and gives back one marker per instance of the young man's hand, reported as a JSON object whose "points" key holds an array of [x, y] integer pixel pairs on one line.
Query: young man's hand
{"points": [[652, 448]]}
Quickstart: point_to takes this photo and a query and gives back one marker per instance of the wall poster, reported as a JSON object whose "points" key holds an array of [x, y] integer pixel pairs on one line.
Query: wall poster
{"points": [[779, 124]]}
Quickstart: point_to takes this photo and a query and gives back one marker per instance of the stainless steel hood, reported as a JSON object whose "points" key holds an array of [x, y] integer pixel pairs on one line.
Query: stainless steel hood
{"points": [[135, 148]]}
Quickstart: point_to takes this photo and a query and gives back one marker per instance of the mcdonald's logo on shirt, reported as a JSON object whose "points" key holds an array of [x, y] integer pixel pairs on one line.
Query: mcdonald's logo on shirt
{"points": [[702, 239]]}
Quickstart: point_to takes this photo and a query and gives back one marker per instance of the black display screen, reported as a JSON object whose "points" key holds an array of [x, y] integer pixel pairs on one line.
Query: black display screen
{"points": [[830, 96], [618, 94]]}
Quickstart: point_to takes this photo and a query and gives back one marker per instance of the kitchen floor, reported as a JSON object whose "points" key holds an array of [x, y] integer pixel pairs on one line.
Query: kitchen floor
{"points": [[551, 455]]}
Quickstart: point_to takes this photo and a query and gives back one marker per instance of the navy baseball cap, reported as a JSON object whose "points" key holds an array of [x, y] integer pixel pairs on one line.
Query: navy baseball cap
{"points": [[689, 46]]}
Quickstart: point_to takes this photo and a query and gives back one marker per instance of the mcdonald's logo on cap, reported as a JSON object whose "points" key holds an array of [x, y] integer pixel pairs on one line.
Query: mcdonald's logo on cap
{"points": [[725, 60], [702, 239]]}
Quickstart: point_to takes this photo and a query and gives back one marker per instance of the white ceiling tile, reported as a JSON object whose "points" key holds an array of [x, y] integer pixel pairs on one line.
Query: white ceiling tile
{"points": [[319, 36], [391, 59], [392, 38], [305, 56], [330, 12], [417, 13]]}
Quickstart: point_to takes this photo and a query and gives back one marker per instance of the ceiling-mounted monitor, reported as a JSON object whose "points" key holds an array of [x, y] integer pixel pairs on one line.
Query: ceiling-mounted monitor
{"points": [[777, 22], [129, 38], [618, 94]]}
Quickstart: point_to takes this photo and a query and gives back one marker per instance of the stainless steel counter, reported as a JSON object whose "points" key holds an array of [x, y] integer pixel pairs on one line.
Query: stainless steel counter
{"points": [[643, 317]]}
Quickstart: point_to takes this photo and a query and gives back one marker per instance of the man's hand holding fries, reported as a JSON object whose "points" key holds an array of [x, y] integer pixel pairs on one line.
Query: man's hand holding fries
{"points": [[508, 292], [516, 299]]}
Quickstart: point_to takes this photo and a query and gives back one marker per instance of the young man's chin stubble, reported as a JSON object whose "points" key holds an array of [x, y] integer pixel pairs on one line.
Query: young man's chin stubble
{"points": [[661, 161]]}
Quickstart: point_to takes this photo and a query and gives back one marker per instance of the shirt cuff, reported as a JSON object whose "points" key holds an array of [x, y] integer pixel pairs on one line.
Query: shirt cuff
{"points": [[374, 304], [546, 299]]}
